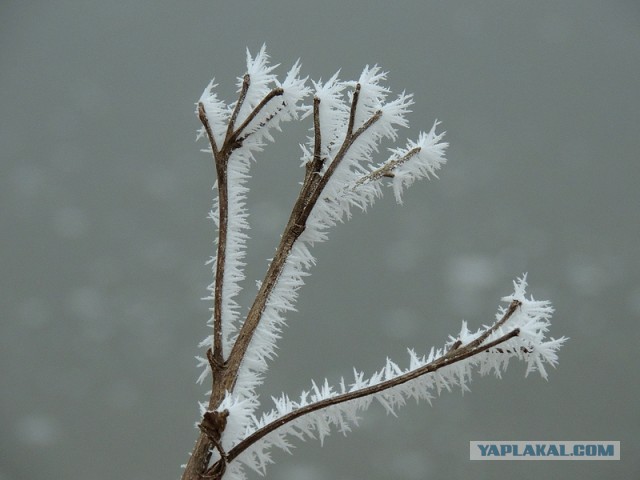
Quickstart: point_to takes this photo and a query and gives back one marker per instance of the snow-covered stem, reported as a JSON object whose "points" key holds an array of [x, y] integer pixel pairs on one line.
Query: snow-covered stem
{"points": [[386, 170], [456, 354], [350, 119], [233, 140], [221, 171]]}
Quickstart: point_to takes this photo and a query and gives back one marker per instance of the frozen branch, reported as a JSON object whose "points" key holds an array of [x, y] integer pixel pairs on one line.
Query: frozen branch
{"points": [[449, 358], [237, 137], [350, 120], [518, 332]]}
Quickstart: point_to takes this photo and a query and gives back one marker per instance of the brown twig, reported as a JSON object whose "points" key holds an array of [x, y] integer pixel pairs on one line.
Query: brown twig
{"points": [[314, 166], [201, 454], [235, 139], [455, 354], [246, 82], [221, 157], [224, 376], [387, 169]]}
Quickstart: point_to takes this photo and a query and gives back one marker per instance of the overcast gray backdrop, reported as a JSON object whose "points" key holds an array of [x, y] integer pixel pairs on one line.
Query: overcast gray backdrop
{"points": [[103, 198]]}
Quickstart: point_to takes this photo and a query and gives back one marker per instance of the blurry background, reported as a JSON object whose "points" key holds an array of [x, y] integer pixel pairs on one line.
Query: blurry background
{"points": [[103, 198]]}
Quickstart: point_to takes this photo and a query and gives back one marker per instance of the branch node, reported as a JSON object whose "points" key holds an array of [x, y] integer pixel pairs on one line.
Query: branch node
{"points": [[215, 361], [212, 425]]}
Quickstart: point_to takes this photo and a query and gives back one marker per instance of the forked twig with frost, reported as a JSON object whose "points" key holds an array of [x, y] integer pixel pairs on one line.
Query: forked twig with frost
{"points": [[350, 119]]}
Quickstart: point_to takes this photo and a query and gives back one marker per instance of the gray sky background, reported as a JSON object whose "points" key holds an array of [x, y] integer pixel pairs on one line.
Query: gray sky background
{"points": [[103, 236]]}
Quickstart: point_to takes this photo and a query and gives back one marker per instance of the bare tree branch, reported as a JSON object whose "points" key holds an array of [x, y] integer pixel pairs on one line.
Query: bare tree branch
{"points": [[237, 376], [387, 169], [246, 81], [221, 158], [452, 356]]}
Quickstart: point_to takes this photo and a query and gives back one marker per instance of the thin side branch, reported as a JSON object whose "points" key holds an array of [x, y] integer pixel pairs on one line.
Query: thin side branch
{"points": [[220, 158], [202, 115], [317, 133], [236, 136], [374, 118], [469, 350], [387, 169], [223, 219], [513, 306], [352, 112], [246, 81], [315, 164]]}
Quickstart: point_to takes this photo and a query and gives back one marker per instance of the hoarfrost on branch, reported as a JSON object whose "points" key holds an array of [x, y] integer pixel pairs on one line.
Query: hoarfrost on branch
{"points": [[350, 120]]}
